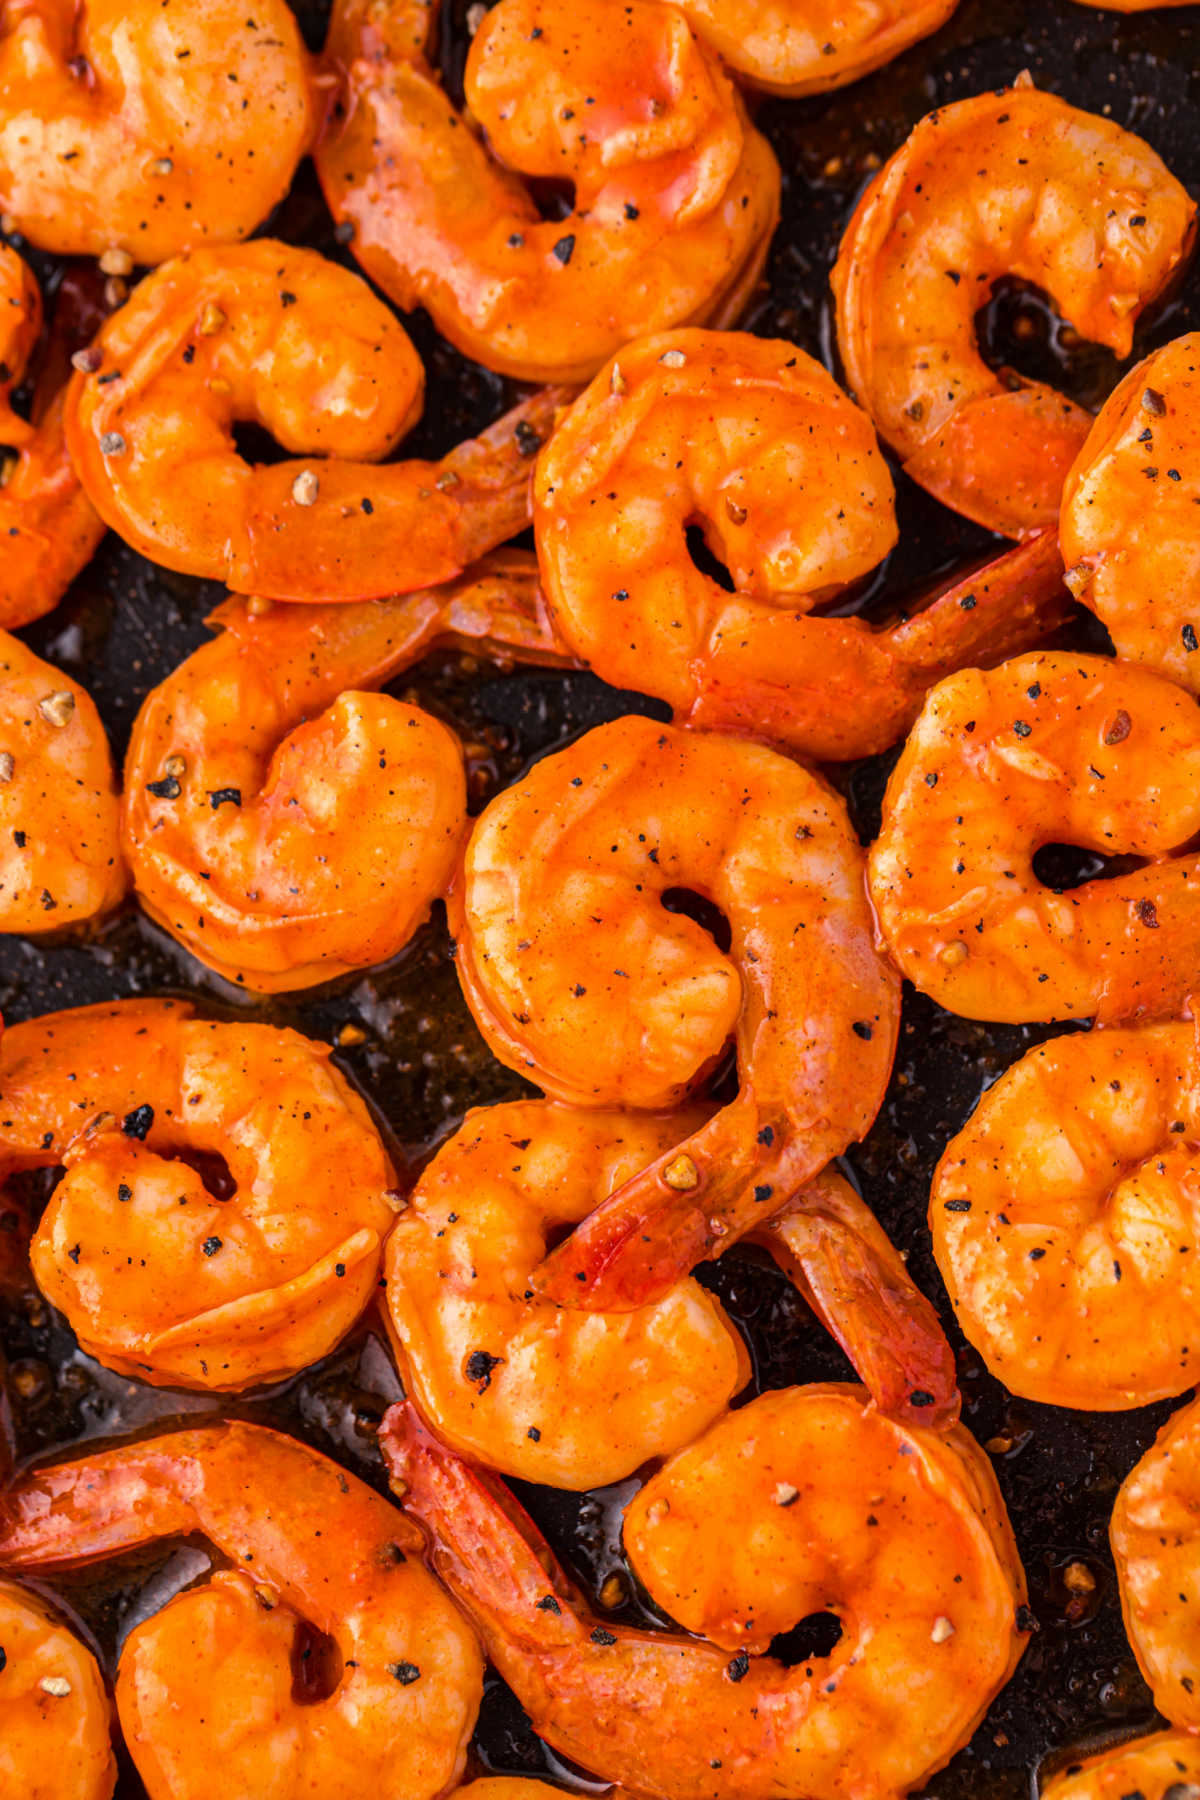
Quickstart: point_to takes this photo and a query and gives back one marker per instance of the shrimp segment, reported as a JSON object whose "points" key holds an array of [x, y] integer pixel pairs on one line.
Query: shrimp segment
{"points": [[1066, 1219], [895, 1518], [115, 128], [1014, 183], [1156, 1548], [581, 978], [157, 1276], [274, 334], [811, 46], [60, 841], [1164, 1766], [1049, 749], [753, 440], [207, 1683], [675, 194], [1128, 526], [55, 1717]]}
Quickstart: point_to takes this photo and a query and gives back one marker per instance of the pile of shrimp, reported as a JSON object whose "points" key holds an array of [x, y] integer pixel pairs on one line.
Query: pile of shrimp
{"points": [[670, 926]]}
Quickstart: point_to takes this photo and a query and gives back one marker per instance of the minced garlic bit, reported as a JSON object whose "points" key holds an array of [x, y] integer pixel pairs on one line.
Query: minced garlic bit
{"points": [[348, 1035], [1078, 1578], [954, 955], [1078, 579], [305, 488], [681, 1173], [8, 767], [57, 1685], [117, 262], [56, 708], [212, 319], [617, 383], [942, 1629], [786, 1494], [673, 359]]}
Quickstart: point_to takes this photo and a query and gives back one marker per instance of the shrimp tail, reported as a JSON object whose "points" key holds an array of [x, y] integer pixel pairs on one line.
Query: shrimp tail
{"points": [[84, 1511], [989, 615], [489, 477]]}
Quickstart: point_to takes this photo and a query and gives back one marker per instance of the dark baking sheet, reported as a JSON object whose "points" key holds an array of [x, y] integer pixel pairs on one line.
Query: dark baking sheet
{"points": [[422, 1062]]}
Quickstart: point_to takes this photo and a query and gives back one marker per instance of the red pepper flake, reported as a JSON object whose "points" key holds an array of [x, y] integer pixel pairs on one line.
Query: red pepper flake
{"points": [[1147, 912]]}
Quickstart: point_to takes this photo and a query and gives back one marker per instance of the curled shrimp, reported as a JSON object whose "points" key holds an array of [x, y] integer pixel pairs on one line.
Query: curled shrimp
{"points": [[1156, 1548], [287, 826], [1009, 183], [805, 1500], [275, 334], [1127, 529], [1065, 1216], [55, 1717], [1163, 1766], [811, 46], [60, 808], [581, 979], [675, 194], [753, 440], [1047, 749], [158, 1276], [118, 130], [308, 1552], [48, 525]]}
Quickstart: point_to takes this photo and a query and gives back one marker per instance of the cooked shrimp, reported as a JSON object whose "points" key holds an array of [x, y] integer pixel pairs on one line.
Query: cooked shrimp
{"points": [[581, 979], [675, 194], [286, 826], [157, 1275], [1156, 1548], [805, 1500], [208, 1683], [811, 46], [752, 439], [1049, 749], [60, 808], [1164, 1766], [1009, 183], [55, 1717], [274, 334], [1128, 526], [119, 127], [47, 523], [1066, 1219]]}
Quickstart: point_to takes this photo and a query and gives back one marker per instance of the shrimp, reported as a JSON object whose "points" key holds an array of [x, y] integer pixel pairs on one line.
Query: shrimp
{"points": [[1010, 183], [580, 978], [811, 46], [274, 334], [752, 439], [1065, 1219], [116, 133], [216, 1679], [1163, 1766], [1048, 749], [675, 194], [1127, 528], [48, 525], [55, 1717], [60, 808], [1157, 1552], [805, 1499], [159, 1275], [287, 830]]}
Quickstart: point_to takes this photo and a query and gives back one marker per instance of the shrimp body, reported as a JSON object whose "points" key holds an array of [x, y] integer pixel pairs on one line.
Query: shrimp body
{"points": [[119, 128], [1066, 1219], [60, 841], [805, 1499], [675, 193], [55, 1717], [811, 46], [270, 333], [1127, 529], [1163, 1766], [581, 979], [207, 1683], [1010, 183], [158, 1277], [1156, 1547], [1047, 749], [755, 441]]}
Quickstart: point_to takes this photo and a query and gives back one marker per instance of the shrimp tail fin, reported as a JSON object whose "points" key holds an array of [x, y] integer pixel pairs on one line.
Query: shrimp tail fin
{"points": [[489, 478], [987, 616], [84, 1511]]}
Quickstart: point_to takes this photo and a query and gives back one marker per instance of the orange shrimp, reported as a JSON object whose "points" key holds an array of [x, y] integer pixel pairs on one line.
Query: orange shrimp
{"points": [[319, 1571], [1163, 1766], [286, 826], [119, 130], [55, 1716], [159, 1276], [60, 840], [1047, 749], [1010, 183], [1127, 528], [811, 46], [581, 979], [274, 334], [753, 440], [675, 194], [805, 1499]]}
